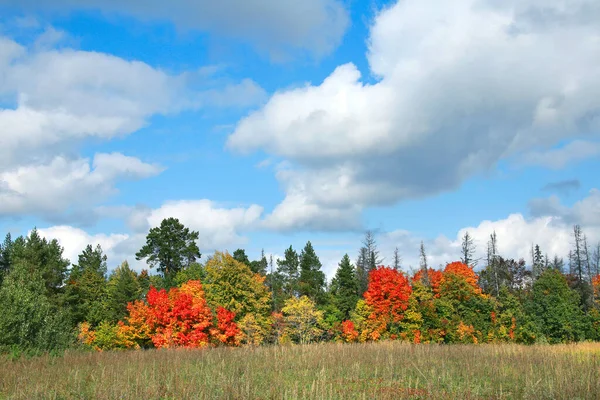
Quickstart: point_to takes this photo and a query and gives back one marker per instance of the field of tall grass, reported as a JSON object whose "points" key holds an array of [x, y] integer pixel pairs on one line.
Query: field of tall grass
{"points": [[387, 370]]}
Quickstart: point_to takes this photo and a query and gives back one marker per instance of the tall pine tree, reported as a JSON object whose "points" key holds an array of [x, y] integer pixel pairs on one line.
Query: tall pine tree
{"points": [[312, 279], [345, 288], [288, 268]]}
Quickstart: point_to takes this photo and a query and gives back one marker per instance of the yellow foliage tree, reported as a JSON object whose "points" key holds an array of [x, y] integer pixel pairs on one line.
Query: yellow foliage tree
{"points": [[303, 322], [232, 285]]}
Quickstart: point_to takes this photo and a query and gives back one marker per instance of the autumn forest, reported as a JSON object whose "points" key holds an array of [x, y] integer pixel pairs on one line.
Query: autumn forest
{"points": [[50, 304]]}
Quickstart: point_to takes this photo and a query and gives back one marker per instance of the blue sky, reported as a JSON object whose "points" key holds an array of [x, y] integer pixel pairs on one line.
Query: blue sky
{"points": [[263, 124]]}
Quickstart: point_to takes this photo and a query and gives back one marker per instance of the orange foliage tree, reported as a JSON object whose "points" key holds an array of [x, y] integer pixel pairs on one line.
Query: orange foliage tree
{"points": [[388, 293], [459, 281], [596, 285], [349, 332], [434, 277]]}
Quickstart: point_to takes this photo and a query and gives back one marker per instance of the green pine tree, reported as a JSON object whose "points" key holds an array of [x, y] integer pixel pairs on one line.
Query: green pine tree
{"points": [[345, 287], [312, 279]]}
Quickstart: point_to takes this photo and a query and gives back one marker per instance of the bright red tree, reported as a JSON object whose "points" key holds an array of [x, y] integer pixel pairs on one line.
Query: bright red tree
{"points": [[388, 293], [178, 318]]}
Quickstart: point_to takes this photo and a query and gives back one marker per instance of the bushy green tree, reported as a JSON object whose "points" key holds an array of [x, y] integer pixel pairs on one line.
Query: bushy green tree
{"points": [[29, 320], [46, 257], [170, 247], [556, 308]]}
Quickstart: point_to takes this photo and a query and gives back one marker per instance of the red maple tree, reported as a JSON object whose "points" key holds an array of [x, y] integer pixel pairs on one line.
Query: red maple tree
{"points": [[388, 293]]}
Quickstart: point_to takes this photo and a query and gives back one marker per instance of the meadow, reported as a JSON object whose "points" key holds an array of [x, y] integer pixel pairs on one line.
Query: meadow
{"points": [[385, 370]]}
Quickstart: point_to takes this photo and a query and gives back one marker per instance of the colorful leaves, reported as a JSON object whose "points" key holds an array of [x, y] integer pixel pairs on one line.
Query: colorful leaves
{"points": [[388, 293], [177, 318], [349, 333]]}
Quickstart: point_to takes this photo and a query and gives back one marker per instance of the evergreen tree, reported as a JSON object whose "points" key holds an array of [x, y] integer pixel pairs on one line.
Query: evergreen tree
{"points": [[170, 247], [468, 250], [260, 266], [240, 255], [538, 265], [122, 287], [345, 288], [288, 268], [86, 286], [312, 279], [5, 258]]}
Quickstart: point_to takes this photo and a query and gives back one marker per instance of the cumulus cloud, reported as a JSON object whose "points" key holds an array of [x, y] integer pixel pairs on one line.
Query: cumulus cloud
{"points": [[549, 225], [62, 96], [219, 228], [461, 85], [74, 240], [50, 189], [585, 212], [316, 26], [53, 99]]}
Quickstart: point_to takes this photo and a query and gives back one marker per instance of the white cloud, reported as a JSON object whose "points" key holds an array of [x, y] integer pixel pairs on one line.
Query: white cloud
{"points": [[63, 96], [54, 99], [461, 86], [550, 226], [585, 212], [316, 26], [218, 226], [50, 189], [74, 240]]}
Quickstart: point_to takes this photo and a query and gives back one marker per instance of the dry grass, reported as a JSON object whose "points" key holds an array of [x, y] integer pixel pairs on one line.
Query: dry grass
{"points": [[330, 371]]}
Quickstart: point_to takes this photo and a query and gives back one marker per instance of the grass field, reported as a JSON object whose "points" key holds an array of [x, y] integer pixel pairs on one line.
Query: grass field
{"points": [[389, 370]]}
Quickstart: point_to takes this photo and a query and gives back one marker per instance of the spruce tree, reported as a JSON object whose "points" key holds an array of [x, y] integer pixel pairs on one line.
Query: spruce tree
{"points": [[345, 288], [86, 286], [122, 287], [312, 279], [538, 262], [288, 268]]}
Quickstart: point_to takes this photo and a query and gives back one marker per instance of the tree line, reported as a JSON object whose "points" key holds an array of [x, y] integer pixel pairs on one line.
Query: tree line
{"points": [[49, 303]]}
